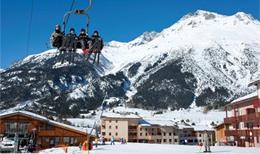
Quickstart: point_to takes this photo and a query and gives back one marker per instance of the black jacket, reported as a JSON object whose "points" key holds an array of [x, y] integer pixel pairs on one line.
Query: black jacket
{"points": [[97, 43], [70, 40]]}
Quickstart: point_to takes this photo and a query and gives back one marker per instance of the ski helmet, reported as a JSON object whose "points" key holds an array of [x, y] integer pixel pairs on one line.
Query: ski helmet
{"points": [[95, 33], [72, 30], [82, 30], [57, 27]]}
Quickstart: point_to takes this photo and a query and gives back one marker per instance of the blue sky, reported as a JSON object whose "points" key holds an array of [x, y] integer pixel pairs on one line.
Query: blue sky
{"points": [[120, 20]]}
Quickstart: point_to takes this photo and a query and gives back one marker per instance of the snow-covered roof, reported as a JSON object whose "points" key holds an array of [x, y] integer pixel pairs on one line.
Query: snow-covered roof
{"points": [[202, 128], [42, 118], [251, 95], [149, 122], [118, 115], [254, 82]]}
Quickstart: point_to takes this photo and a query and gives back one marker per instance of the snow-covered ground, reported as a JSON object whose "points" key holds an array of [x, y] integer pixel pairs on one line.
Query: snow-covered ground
{"points": [[140, 148]]}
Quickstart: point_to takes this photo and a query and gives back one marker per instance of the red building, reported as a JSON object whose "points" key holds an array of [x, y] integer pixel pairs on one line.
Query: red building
{"points": [[242, 120]]}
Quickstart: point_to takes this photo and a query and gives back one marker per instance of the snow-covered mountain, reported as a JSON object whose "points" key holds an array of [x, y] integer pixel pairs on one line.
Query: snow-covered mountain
{"points": [[204, 58], [214, 55]]}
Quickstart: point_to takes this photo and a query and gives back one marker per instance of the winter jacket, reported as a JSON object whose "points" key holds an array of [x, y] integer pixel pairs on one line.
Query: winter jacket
{"points": [[84, 40], [57, 38], [70, 41], [97, 43]]}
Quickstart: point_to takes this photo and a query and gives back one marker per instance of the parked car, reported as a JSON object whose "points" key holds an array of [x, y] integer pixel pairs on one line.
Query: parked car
{"points": [[7, 145]]}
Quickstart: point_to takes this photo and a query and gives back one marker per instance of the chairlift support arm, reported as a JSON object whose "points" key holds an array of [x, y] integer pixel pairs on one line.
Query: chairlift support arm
{"points": [[78, 12]]}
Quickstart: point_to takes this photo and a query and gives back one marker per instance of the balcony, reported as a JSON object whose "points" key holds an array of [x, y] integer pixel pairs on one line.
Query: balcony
{"points": [[230, 120], [244, 118]]}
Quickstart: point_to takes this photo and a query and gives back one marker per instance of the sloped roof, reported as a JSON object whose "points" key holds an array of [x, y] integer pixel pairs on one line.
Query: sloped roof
{"points": [[161, 122], [42, 118], [118, 115], [246, 97], [254, 82]]}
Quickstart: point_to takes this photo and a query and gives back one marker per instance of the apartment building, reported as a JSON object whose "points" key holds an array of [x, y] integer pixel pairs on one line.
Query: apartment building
{"points": [[136, 129], [158, 131], [186, 134], [243, 124], [200, 131], [119, 126]]}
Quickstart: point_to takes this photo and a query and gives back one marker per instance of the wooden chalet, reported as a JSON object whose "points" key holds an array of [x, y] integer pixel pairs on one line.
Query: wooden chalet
{"points": [[44, 133]]}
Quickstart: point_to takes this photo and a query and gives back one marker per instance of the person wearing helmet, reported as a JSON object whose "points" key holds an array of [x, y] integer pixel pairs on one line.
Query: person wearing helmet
{"points": [[57, 37], [70, 45], [84, 41], [97, 46]]}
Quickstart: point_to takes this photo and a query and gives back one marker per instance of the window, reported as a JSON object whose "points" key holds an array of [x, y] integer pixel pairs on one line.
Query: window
{"points": [[164, 134], [141, 134], [145, 134], [66, 140], [164, 140], [11, 127], [145, 129], [103, 133], [109, 133], [116, 134], [249, 125], [71, 141], [23, 127], [109, 121], [116, 127], [46, 139], [152, 134], [52, 139], [116, 121], [170, 134], [175, 140], [199, 135], [57, 140], [109, 127], [170, 140], [241, 125], [141, 129]]}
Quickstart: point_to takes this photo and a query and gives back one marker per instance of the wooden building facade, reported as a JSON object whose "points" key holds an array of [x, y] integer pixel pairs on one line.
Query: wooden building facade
{"points": [[43, 132]]}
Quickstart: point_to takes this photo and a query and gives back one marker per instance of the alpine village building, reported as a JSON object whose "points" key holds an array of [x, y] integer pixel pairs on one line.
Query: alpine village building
{"points": [[44, 133], [242, 127], [134, 128]]}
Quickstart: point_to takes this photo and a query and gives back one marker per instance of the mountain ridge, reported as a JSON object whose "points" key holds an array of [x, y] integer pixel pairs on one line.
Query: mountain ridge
{"points": [[189, 59]]}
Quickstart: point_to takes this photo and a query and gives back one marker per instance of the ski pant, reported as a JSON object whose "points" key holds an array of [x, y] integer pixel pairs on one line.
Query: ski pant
{"points": [[96, 55]]}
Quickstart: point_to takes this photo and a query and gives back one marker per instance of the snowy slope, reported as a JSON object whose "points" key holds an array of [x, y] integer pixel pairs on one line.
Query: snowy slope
{"points": [[141, 148]]}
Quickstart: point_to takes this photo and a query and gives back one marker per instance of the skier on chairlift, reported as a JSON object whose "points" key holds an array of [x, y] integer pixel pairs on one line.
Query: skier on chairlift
{"points": [[96, 46], [69, 45], [84, 42], [57, 37]]}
